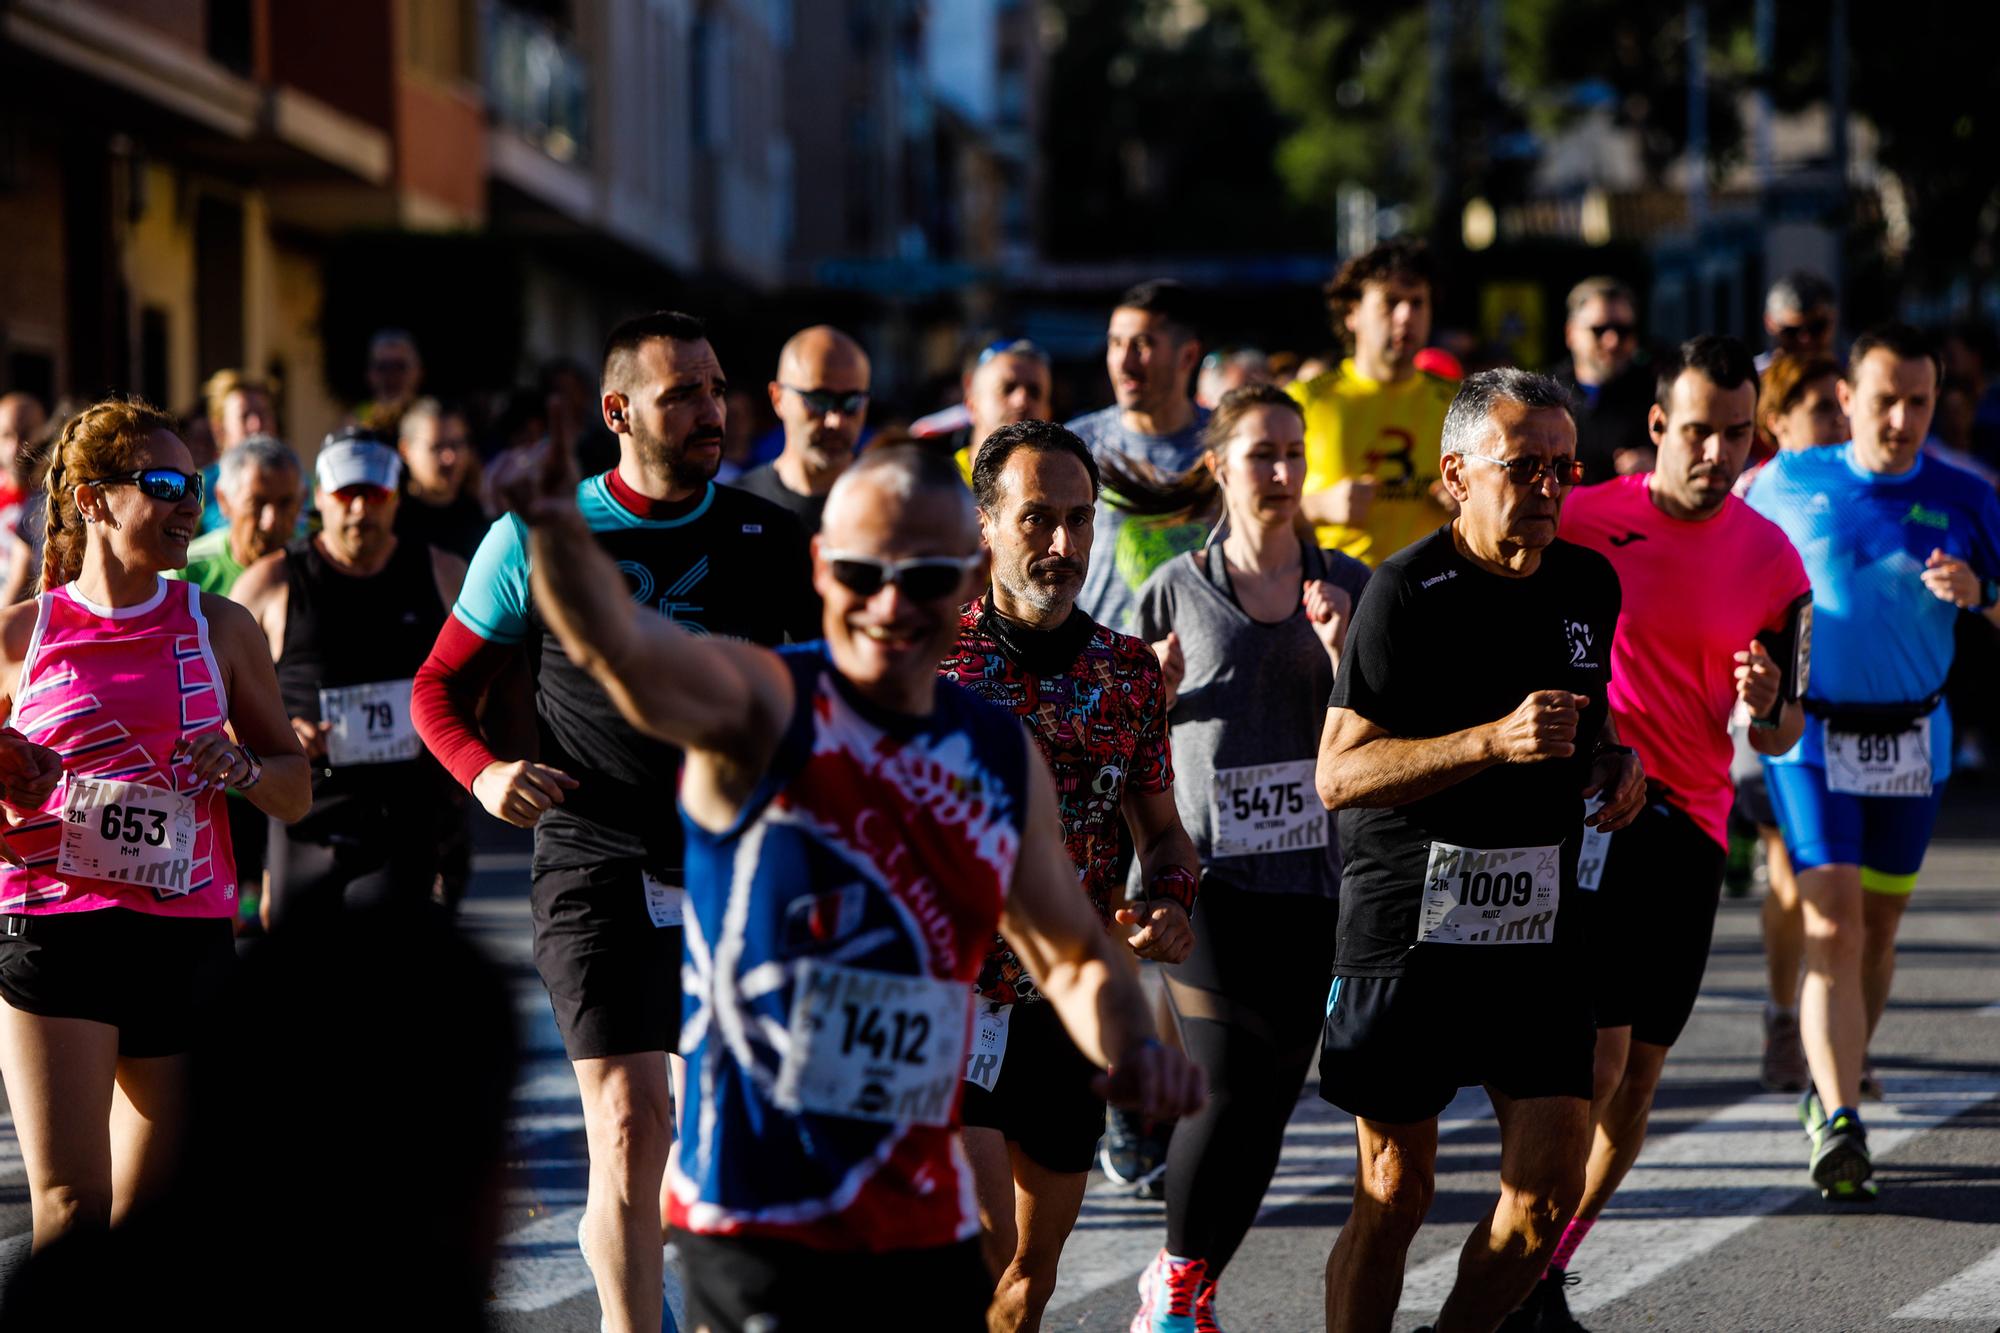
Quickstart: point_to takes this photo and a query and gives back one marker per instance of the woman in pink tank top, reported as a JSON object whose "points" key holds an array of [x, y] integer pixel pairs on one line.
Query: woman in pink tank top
{"points": [[117, 902]]}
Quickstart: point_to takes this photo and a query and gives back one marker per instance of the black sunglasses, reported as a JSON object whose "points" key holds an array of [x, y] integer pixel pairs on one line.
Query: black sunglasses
{"points": [[823, 401], [158, 483], [1815, 327], [1623, 331], [925, 578], [1529, 471]]}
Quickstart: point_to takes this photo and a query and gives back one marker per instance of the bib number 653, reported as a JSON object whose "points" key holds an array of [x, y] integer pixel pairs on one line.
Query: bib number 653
{"points": [[132, 824]]}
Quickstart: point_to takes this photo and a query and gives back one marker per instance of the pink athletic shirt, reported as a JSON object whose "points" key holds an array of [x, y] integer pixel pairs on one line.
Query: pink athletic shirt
{"points": [[1696, 593], [112, 689]]}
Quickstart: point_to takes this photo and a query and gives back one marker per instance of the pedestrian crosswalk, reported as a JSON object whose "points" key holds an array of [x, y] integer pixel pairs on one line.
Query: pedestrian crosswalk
{"points": [[1703, 1181]]}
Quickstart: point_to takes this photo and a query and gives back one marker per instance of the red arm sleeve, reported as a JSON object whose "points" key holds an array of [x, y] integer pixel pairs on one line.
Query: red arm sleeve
{"points": [[445, 701]]}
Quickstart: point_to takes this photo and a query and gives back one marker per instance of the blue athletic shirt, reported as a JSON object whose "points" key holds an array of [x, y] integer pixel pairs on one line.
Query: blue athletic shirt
{"points": [[876, 847], [730, 564], [1879, 635]]}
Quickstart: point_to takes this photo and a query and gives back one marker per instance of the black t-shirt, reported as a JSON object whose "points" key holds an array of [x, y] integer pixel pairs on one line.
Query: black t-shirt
{"points": [[457, 527], [764, 481], [729, 565], [1439, 645]]}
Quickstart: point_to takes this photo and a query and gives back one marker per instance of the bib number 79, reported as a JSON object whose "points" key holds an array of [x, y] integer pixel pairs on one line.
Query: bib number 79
{"points": [[132, 824], [380, 718]]}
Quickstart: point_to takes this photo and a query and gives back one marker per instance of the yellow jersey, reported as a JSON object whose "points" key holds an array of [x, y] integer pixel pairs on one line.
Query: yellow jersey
{"points": [[1357, 426]]}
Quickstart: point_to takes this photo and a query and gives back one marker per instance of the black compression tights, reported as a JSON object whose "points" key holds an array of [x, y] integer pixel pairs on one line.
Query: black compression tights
{"points": [[1252, 1021], [1222, 1158]]}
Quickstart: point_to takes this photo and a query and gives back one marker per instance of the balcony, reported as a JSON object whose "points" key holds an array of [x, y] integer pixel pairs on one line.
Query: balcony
{"points": [[538, 84]]}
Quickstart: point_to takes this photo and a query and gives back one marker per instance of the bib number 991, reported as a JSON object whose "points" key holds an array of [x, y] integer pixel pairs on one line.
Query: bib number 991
{"points": [[1878, 749], [132, 824]]}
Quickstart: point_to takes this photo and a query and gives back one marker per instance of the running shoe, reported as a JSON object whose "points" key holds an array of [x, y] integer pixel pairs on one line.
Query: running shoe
{"points": [[1549, 1304], [1812, 1114], [1204, 1309], [1134, 1152], [1169, 1291], [1784, 1054], [1840, 1163]]}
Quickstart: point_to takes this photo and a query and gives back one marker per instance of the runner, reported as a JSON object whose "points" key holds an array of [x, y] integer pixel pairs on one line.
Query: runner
{"points": [[1091, 700], [1798, 406], [1372, 423], [820, 398], [1249, 632], [1896, 545], [260, 488], [440, 505], [607, 864], [1004, 382], [856, 831], [1466, 729], [1152, 431], [351, 612], [1716, 620], [117, 932]]}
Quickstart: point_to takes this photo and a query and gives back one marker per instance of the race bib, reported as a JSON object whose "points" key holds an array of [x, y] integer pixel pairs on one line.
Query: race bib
{"points": [[1880, 764], [1507, 895], [370, 723], [664, 902], [1265, 808], [873, 1045], [129, 832], [1596, 850], [989, 1043]]}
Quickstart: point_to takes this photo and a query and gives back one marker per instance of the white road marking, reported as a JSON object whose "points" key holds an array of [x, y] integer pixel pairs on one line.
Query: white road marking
{"points": [[1116, 1235], [1693, 1190], [1971, 1297]]}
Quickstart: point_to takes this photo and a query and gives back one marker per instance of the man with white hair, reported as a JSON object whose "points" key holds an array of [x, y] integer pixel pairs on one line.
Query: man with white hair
{"points": [[259, 488], [1461, 790]]}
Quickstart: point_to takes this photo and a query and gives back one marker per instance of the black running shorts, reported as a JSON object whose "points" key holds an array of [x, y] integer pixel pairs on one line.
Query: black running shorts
{"points": [[1042, 1099], [154, 978], [1648, 926], [1398, 1049], [743, 1284], [614, 978]]}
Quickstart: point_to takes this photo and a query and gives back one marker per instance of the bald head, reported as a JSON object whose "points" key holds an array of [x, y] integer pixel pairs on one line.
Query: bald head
{"points": [[811, 353], [901, 498], [821, 398]]}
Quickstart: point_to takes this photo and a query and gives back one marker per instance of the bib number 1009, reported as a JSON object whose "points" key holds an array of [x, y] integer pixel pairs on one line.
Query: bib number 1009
{"points": [[1496, 889], [132, 824]]}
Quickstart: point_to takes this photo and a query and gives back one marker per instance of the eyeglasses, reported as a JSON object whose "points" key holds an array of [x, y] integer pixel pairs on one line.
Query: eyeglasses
{"points": [[823, 401], [1620, 331], [362, 491], [1013, 347], [158, 483], [1815, 327], [926, 578], [1530, 471]]}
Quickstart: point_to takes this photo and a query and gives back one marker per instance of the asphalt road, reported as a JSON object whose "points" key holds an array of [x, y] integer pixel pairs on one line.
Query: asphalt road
{"points": [[1717, 1229]]}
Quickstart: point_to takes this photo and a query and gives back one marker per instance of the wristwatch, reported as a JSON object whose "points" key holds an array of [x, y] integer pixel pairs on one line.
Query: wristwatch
{"points": [[256, 768]]}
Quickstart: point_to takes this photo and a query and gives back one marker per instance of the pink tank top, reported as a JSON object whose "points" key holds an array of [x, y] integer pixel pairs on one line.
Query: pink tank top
{"points": [[112, 689]]}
